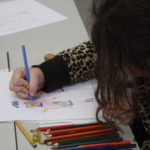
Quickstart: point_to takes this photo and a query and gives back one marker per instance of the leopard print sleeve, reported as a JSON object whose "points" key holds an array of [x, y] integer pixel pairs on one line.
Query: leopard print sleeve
{"points": [[142, 94], [144, 112], [144, 106], [69, 66], [81, 61]]}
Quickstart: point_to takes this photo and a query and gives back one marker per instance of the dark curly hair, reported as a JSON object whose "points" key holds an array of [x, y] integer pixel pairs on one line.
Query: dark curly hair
{"points": [[121, 36]]}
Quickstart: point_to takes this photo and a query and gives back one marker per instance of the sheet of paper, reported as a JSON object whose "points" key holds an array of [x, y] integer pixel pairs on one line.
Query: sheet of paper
{"points": [[19, 15], [73, 102]]}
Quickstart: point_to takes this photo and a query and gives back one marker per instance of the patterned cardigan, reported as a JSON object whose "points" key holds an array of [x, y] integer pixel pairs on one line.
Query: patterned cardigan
{"points": [[77, 64]]}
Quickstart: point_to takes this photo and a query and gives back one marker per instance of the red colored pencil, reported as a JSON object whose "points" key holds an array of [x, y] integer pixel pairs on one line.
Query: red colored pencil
{"points": [[75, 130], [80, 134], [66, 126]]}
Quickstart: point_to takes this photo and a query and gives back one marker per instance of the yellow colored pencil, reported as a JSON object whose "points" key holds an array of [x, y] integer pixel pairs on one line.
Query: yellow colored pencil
{"points": [[25, 133]]}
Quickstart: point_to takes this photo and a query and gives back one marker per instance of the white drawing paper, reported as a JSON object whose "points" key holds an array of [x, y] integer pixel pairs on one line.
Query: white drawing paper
{"points": [[81, 95], [20, 15]]}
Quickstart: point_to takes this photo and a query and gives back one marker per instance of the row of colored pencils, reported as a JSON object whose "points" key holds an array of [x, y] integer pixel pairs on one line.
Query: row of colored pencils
{"points": [[85, 136]]}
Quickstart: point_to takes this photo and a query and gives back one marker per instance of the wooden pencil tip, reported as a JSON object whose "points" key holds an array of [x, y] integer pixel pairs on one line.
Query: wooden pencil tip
{"points": [[55, 144], [49, 143], [41, 142]]}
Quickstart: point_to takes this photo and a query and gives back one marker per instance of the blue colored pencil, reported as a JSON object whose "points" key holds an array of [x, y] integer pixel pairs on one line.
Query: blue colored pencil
{"points": [[57, 146], [26, 67], [106, 147], [91, 147]]}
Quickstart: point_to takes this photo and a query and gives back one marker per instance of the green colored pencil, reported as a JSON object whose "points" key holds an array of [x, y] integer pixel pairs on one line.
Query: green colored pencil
{"points": [[98, 137], [114, 135], [58, 146]]}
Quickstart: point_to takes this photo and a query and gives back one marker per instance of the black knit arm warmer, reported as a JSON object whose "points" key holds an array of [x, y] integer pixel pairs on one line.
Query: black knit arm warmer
{"points": [[56, 73]]}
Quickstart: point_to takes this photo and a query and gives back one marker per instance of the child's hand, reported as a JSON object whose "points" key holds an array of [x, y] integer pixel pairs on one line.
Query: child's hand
{"points": [[21, 87], [124, 116]]}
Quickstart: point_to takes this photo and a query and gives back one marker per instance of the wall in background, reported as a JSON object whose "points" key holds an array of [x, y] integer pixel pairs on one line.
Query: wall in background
{"points": [[85, 10]]}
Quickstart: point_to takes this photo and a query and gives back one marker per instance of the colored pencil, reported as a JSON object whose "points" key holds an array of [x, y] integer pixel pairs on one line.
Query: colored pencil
{"points": [[74, 130], [109, 143], [8, 61], [77, 128], [99, 147], [26, 67], [84, 139], [25, 133], [110, 147], [80, 134], [75, 138], [52, 128], [104, 137], [55, 127], [57, 146]]}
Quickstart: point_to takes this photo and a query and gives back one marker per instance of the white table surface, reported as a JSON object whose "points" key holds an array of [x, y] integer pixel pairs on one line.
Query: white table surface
{"points": [[23, 144], [7, 136]]}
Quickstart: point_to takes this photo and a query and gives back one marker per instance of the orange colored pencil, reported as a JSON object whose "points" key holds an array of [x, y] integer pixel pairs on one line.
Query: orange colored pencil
{"points": [[80, 137], [75, 129], [109, 143], [80, 134], [52, 141]]}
